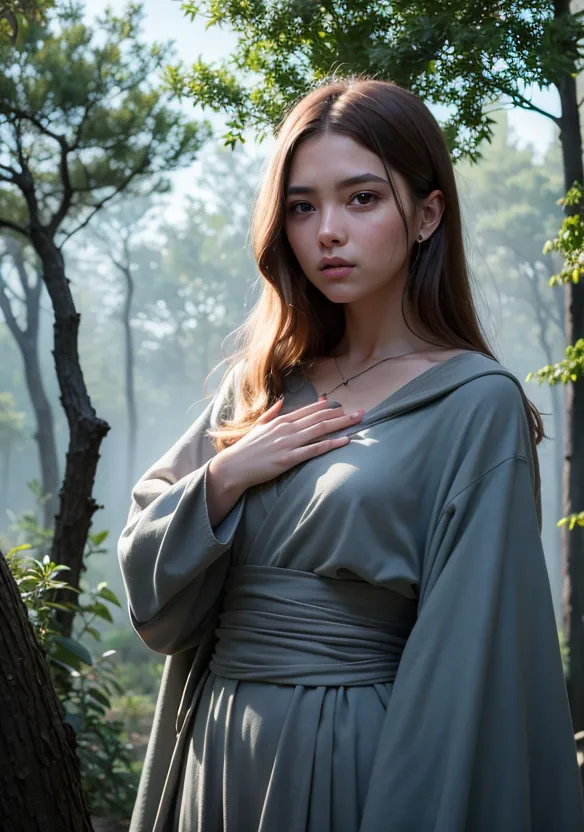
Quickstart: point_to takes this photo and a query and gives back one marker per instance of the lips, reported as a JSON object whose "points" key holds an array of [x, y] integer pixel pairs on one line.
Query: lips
{"points": [[332, 262]]}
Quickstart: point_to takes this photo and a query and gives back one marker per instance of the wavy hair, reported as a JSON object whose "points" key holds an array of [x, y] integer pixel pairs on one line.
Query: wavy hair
{"points": [[292, 323]]}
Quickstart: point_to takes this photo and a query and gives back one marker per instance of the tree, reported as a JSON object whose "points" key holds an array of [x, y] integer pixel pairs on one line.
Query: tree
{"points": [[115, 236], [11, 432], [81, 121], [40, 782], [26, 337], [463, 55], [510, 204], [11, 11], [194, 279]]}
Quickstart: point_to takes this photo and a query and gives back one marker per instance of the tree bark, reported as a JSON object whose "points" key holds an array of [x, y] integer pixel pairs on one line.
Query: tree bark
{"points": [[572, 541], [86, 430], [40, 781]]}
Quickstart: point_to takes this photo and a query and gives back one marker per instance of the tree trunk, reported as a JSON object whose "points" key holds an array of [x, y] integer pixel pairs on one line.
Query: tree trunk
{"points": [[129, 378], [40, 782], [572, 541], [86, 430]]}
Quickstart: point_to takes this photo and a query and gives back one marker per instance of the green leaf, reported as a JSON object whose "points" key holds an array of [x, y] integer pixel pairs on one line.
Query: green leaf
{"points": [[71, 647], [20, 548], [106, 593], [98, 538], [101, 611], [100, 697]]}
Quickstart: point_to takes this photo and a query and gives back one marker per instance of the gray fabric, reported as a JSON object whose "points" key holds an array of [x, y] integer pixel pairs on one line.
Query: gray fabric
{"points": [[432, 508], [297, 628]]}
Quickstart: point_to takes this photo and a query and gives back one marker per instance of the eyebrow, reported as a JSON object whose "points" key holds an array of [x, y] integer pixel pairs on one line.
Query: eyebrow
{"points": [[352, 180]]}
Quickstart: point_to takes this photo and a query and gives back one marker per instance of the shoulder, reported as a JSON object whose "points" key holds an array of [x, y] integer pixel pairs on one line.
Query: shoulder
{"points": [[489, 409], [490, 385]]}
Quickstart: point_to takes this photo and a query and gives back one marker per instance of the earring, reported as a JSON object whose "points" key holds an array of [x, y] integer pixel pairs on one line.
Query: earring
{"points": [[420, 238]]}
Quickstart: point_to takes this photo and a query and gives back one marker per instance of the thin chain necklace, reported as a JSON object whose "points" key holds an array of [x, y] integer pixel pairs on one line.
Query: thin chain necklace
{"points": [[345, 381]]}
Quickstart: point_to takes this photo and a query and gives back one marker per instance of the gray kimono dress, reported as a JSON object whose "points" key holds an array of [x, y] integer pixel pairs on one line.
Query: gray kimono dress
{"points": [[366, 643]]}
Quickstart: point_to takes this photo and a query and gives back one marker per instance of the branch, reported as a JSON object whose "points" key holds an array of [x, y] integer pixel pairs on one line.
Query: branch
{"points": [[106, 199], [13, 173], [11, 322], [520, 100], [16, 112], [65, 203], [18, 261], [19, 229]]}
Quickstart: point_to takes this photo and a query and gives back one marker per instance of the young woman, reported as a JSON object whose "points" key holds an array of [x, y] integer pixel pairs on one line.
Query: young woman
{"points": [[351, 589]]}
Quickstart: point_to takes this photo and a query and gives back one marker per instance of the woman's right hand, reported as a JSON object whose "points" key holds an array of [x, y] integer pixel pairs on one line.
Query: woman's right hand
{"points": [[277, 443]]}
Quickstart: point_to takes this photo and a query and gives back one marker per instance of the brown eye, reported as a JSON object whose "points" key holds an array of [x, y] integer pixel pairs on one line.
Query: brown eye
{"points": [[368, 195], [293, 207]]}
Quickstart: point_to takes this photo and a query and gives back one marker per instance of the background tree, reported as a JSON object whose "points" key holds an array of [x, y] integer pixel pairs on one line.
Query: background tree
{"points": [[11, 435], [24, 303], [81, 121], [195, 277], [12, 11], [465, 57], [115, 234], [510, 210]]}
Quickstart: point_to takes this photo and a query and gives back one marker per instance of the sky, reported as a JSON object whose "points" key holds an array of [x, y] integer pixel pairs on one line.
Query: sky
{"points": [[164, 21]]}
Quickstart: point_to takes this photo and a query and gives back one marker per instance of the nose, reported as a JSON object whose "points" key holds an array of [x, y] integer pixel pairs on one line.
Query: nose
{"points": [[331, 230]]}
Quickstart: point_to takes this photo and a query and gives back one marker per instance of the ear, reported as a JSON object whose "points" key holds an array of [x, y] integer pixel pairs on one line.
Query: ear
{"points": [[430, 213]]}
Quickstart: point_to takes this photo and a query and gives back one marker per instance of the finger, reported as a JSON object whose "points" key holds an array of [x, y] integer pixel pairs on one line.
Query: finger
{"points": [[298, 455], [307, 410], [271, 412], [334, 417]]}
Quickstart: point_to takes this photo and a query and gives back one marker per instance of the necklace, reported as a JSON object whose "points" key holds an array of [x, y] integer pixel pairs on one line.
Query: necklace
{"points": [[345, 381]]}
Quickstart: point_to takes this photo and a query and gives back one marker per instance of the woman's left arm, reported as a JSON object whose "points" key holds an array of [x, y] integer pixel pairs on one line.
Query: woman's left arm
{"points": [[478, 735]]}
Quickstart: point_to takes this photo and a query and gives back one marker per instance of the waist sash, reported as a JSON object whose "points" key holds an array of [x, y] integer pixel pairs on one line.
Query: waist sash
{"points": [[296, 628]]}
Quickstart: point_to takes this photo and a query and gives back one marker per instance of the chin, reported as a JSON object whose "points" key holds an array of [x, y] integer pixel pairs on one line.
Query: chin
{"points": [[342, 293]]}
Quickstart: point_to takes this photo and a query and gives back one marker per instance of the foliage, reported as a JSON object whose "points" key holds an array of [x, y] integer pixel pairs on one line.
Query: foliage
{"points": [[12, 11], [85, 678], [194, 278], [570, 369], [509, 204], [462, 56], [570, 240], [569, 243], [82, 119]]}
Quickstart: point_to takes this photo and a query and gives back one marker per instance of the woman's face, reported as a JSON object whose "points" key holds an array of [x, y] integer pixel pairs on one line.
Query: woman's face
{"points": [[359, 222]]}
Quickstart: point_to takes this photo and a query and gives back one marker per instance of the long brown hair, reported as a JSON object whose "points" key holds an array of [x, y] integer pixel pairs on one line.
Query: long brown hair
{"points": [[293, 322]]}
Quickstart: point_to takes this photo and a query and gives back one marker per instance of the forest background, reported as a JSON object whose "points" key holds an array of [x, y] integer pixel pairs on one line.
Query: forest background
{"points": [[181, 244]]}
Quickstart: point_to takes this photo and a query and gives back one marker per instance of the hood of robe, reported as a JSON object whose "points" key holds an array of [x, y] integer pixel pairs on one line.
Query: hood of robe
{"points": [[436, 382]]}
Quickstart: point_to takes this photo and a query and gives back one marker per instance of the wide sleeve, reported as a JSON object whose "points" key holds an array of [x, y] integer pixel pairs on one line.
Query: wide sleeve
{"points": [[172, 561], [478, 736]]}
